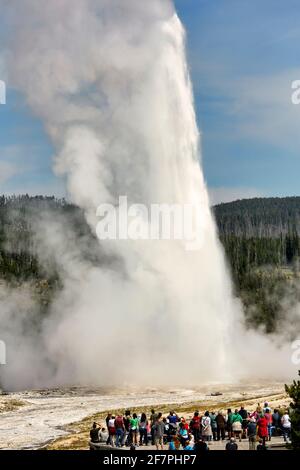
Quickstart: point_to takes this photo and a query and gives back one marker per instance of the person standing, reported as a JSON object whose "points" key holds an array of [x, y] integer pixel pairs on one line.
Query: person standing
{"points": [[143, 430], [286, 426], [134, 429], [269, 419], [126, 437], [206, 427], [221, 426], [111, 431], [244, 414], [159, 429], [153, 419], [237, 420], [120, 430], [214, 427], [262, 428], [267, 407], [173, 419], [258, 409], [276, 421], [229, 422], [195, 425], [251, 431], [108, 417]]}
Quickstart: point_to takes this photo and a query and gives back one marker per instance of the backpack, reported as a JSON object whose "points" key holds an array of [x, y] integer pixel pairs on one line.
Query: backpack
{"points": [[195, 423]]}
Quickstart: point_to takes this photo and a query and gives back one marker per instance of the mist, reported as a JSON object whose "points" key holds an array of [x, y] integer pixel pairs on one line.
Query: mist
{"points": [[110, 83]]}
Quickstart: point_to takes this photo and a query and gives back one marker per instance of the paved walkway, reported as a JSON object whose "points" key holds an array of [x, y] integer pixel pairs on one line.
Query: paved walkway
{"points": [[276, 442]]}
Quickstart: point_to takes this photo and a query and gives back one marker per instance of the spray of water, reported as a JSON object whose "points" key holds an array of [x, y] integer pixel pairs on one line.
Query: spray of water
{"points": [[109, 80]]}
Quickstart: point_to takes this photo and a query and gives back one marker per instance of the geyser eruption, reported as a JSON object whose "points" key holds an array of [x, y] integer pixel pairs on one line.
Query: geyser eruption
{"points": [[110, 82]]}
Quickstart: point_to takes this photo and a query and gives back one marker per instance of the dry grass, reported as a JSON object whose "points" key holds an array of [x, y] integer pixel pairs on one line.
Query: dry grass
{"points": [[10, 405], [78, 433]]}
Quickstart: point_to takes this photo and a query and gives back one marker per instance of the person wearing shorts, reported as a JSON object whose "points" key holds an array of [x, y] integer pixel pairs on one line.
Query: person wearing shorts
{"points": [[159, 428]]}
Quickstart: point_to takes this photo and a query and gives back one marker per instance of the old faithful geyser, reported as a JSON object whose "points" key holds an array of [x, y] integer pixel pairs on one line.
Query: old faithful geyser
{"points": [[110, 82]]}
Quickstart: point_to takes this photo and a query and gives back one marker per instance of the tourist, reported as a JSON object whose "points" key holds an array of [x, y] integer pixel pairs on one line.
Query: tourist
{"points": [[172, 443], [195, 425], [231, 445], [111, 431], [214, 426], [269, 419], [120, 430], [261, 445], [286, 426], [229, 423], [276, 422], [281, 411], [173, 419], [94, 433], [153, 419], [183, 434], [143, 430], [258, 409], [192, 440], [126, 437], [267, 407], [185, 423], [244, 414], [251, 431], [200, 445], [166, 430], [177, 441], [262, 428], [188, 446], [206, 430], [134, 429], [103, 436], [221, 425], [237, 430], [108, 417], [236, 425], [158, 429]]}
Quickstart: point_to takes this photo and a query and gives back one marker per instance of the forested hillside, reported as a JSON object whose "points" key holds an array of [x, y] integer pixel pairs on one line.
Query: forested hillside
{"points": [[261, 238], [19, 259], [258, 232], [259, 217]]}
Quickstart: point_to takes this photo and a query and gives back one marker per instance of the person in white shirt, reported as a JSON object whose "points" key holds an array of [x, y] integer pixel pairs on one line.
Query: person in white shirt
{"points": [[286, 426]]}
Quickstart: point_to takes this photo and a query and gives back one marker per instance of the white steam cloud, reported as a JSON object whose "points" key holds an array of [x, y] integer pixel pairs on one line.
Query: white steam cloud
{"points": [[109, 80]]}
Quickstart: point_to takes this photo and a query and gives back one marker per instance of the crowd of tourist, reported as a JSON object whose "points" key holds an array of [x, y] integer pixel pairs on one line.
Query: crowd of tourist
{"points": [[173, 432]]}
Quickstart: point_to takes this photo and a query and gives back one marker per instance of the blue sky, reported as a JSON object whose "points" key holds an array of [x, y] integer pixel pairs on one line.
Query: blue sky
{"points": [[243, 56]]}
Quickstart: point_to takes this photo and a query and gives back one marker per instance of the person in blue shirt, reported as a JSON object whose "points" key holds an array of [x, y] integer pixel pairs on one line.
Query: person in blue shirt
{"points": [[172, 445], [188, 446], [173, 418]]}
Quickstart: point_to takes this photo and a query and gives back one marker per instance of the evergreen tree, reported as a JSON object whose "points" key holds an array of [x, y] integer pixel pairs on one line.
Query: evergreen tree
{"points": [[294, 392]]}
